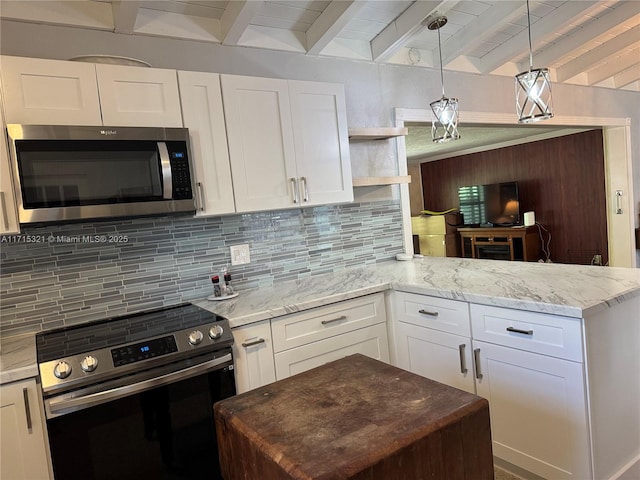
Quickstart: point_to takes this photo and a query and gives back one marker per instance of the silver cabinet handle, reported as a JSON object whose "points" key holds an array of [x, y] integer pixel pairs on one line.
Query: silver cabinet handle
{"points": [[463, 360], [305, 189], [517, 330], [426, 312], [201, 195], [476, 358], [294, 189], [5, 217], [333, 320], [25, 395], [253, 342]]}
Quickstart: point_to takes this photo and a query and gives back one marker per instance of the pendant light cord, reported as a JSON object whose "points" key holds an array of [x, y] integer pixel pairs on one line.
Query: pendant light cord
{"points": [[530, 47], [440, 50]]}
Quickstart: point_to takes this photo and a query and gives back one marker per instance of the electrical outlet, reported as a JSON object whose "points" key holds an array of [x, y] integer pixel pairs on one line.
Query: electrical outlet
{"points": [[240, 254]]}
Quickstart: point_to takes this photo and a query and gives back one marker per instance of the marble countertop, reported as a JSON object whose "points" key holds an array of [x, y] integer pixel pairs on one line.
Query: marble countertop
{"points": [[568, 290]]}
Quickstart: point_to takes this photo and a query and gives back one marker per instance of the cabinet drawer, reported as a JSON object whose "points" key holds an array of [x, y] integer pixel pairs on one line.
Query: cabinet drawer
{"points": [[301, 328], [535, 332], [442, 314], [370, 341]]}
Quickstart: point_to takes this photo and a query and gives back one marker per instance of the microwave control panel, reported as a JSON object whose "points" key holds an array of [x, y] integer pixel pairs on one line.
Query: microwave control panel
{"points": [[180, 171]]}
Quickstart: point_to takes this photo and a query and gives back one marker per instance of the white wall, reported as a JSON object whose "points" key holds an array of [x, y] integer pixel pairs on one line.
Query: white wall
{"points": [[372, 90]]}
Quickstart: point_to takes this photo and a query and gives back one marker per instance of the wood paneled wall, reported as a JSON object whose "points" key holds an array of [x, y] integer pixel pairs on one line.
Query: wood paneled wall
{"points": [[561, 179]]}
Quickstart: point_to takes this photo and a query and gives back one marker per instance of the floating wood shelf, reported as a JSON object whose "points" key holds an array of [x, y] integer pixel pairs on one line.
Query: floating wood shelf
{"points": [[374, 181], [377, 133]]}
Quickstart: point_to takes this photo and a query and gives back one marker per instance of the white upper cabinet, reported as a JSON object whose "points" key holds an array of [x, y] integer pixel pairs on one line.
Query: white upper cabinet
{"points": [[260, 137], [138, 96], [203, 115], [57, 92], [49, 92], [288, 142], [8, 209], [321, 141]]}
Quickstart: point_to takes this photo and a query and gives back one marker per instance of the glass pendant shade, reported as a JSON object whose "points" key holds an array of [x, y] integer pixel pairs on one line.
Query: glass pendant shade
{"points": [[445, 126], [445, 110], [533, 89], [533, 96]]}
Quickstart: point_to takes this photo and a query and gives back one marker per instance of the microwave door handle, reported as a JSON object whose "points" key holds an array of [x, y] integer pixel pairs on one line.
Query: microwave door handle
{"points": [[165, 166]]}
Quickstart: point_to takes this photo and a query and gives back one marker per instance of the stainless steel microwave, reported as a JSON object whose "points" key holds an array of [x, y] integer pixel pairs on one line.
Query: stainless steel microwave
{"points": [[64, 173]]}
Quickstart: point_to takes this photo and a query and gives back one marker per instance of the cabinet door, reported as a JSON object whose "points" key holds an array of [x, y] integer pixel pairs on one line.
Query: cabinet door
{"points": [[138, 96], [253, 355], [321, 136], [8, 211], [370, 341], [23, 447], [538, 411], [260, 138], [50, 92], [202, 114], [440, 356]]}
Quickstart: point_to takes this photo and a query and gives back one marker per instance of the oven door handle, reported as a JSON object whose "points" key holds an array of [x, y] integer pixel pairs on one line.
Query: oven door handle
{"points": [[59, 406]]}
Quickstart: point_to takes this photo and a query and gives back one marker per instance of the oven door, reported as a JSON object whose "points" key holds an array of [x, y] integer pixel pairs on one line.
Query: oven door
{"points": [[158, 425]]}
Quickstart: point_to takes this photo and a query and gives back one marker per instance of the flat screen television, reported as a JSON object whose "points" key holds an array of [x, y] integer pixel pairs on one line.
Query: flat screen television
{"points": [[496, 204]]}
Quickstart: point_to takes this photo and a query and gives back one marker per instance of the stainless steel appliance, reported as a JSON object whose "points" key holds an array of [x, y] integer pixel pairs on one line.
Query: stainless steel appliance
{"points": [[66, 173], [132, 397]]}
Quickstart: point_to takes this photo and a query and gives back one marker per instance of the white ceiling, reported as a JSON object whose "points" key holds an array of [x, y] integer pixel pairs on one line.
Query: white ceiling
{"points": [[580, 41], [477, 138]]}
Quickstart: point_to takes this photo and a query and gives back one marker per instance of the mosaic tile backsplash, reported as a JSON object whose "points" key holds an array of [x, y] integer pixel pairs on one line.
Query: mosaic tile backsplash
{"points": [[76, 273]]}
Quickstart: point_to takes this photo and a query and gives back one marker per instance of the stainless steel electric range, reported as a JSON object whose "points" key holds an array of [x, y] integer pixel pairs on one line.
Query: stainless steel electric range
{"points": [[132, 396]]}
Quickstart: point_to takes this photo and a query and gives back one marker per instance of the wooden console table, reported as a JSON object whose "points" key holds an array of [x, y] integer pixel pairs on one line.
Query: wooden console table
{"points": [[501, 243], [355, 419]]}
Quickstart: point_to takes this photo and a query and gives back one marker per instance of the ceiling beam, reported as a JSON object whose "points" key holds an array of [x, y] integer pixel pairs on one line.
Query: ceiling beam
{"points": [[124, 15], [627, 77], [236, 18], [598, 54], [626, 12], [519, 44], [330, 23], [614, 66], [482, 27], [393, 37]]}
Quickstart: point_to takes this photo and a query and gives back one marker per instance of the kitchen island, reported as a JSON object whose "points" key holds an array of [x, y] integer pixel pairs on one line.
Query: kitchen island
{"points": [[600, 306]]}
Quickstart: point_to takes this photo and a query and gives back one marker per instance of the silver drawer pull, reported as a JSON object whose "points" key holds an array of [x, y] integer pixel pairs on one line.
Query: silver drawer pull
{"points": [[201, 192], [253, 342], [294, 189], [427, 312], [463, 360], [333, 320], [476, 358], [517, 330], [25, 396]]}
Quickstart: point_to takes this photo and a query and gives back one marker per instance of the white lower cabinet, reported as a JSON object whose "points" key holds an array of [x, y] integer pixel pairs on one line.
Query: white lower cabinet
{"points": [[528, 365], [314, 337], [538, 411], [23, 444], [440, 356], [433, 338], [253, 356]]}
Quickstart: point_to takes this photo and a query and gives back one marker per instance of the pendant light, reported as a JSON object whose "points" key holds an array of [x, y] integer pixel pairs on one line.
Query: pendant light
{"points": [[533, 89], [445, 126]]}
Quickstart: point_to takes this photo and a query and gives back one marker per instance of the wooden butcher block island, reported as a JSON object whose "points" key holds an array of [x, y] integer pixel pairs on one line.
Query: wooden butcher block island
{"points": [[355, 418]]}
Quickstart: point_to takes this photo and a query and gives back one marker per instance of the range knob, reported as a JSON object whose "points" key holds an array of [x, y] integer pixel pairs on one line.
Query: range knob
{"points": [[215, 332], [89, 363], [62, 370], [195, 337]]}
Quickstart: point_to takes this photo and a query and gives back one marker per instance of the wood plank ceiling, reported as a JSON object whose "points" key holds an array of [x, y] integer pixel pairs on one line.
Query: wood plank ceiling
{"points": [[582, 42]]}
